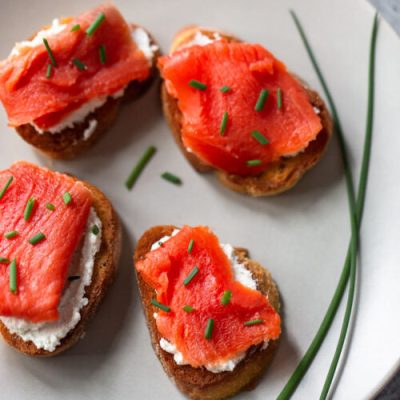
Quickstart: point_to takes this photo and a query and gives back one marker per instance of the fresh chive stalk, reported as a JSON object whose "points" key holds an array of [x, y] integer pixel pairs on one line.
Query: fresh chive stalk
{"points": [[225, 89], [13, 276], [188, 308], [160, 305], [253, 322], [6, 186], [226, 297], [139, 167], [67, 198], [11, 234], [75, 28], [29, 208], [50, 207], [190, 246], [197, 85], [96, 24], [102, 54], [4, 260], [224, 123], [48, 71], [79, 64], [95, 230], [259, 137], [262, 98], [51, 55], [279, 98], [191, 275], [171, 178], [209, 329], [34, 240], [253, 163]]}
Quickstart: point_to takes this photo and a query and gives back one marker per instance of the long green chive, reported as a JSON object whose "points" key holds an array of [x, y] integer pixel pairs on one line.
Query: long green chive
{"points": [[279, 98], [160, 306], [190, 246], [224, 123], [171, 178], [253, 322], [79, 64], [191, 275], [6, 186], [50, 207], [10, 235], [95, 25], [75, 28], [95, 230], [74, 278], [67, 198], [197, 85], [51, 55], [209, 329], [259, 137], [48, 71], [262, 98], [138, 168], [226, 297], [4, 260], [253, 163], [29, 208], [13, 276], [34, 240], [225, 89], [188, 308], [102, 54]]}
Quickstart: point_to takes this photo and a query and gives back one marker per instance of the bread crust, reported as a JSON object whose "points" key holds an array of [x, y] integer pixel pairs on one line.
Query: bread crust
{"points": [[280, 175], [71, 142], [104, 272], [199, 383]]}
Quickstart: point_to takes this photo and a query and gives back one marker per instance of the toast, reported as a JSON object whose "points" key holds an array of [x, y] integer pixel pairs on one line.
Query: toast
{"points": [[104, 272], [71, 142], [280, 175], [199, 383]]}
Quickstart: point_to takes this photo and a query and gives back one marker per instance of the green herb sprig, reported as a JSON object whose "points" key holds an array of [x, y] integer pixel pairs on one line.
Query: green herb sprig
{"points": [[139, 167]]}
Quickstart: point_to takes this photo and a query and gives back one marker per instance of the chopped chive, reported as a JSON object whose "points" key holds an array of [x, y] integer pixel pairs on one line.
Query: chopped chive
{"points": [[96, 23], [190, 247], [48, 71], [138, 168], [224, 123], [79, 64], [29, 208], [171, 178], [209, 329], [262, 98], [161, 244], [75, 28], [67, 198], [6, 186], [74, 278], [191, 275], [102, 54], [197, 85], [226, 297], [13, 276], [225, 89], [95, 230], [160, 306], [253, 163], [34, 240], [188, 308], [51, 55], [279, 98], [4, 260], [50, 207], [259, 137], [10, 235], [254, 322]]}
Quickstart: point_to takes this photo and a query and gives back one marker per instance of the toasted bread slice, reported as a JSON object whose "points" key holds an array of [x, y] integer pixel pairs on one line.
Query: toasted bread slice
{"points": [[104, 272], [199, 383], [280, 175], [71, 142]]}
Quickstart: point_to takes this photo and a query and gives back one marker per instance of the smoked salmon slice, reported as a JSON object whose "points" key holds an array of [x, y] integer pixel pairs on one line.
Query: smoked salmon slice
{"points": [[30, 96], [41, 268], [166, 269], [266, 110]]}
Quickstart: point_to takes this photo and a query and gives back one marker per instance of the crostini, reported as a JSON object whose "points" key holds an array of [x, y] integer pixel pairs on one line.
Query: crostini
{"points": [[212, 312], [60, 242], [62, 88], [235, 110]]}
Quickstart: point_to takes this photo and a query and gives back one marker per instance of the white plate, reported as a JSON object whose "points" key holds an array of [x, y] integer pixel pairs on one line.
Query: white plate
{"points": [[301, 236]]}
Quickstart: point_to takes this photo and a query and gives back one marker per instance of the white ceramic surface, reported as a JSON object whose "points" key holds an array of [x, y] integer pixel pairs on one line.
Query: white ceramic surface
{"points": [[301, 236]]}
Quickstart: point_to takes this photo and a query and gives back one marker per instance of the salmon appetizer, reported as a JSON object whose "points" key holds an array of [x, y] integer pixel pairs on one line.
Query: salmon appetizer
{"points": [[62, 88], [59, 248], [212, 312], [236, 110]]}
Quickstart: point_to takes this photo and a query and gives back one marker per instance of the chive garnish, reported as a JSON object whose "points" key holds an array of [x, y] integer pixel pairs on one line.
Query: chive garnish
{"points": [[226, 297], [4, 260], [224, 123], [254, 322], [209, 329], [279, 98], [253, 163], [48, 71], [6, 186], [190, 246], [197, 85], [96, 23], [161, 244], [259, 137], [34, 240], [29, 208], [67, 198], [13, 276], [50, 207], [51, 55], [95, 230], [225, 89], [171, 178], [75, 28], [79, 64], [188, 308], [74, 278], [160, 306], [102, 54], [10, 235], [262, 98], [138, 168], [191, 275]]}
